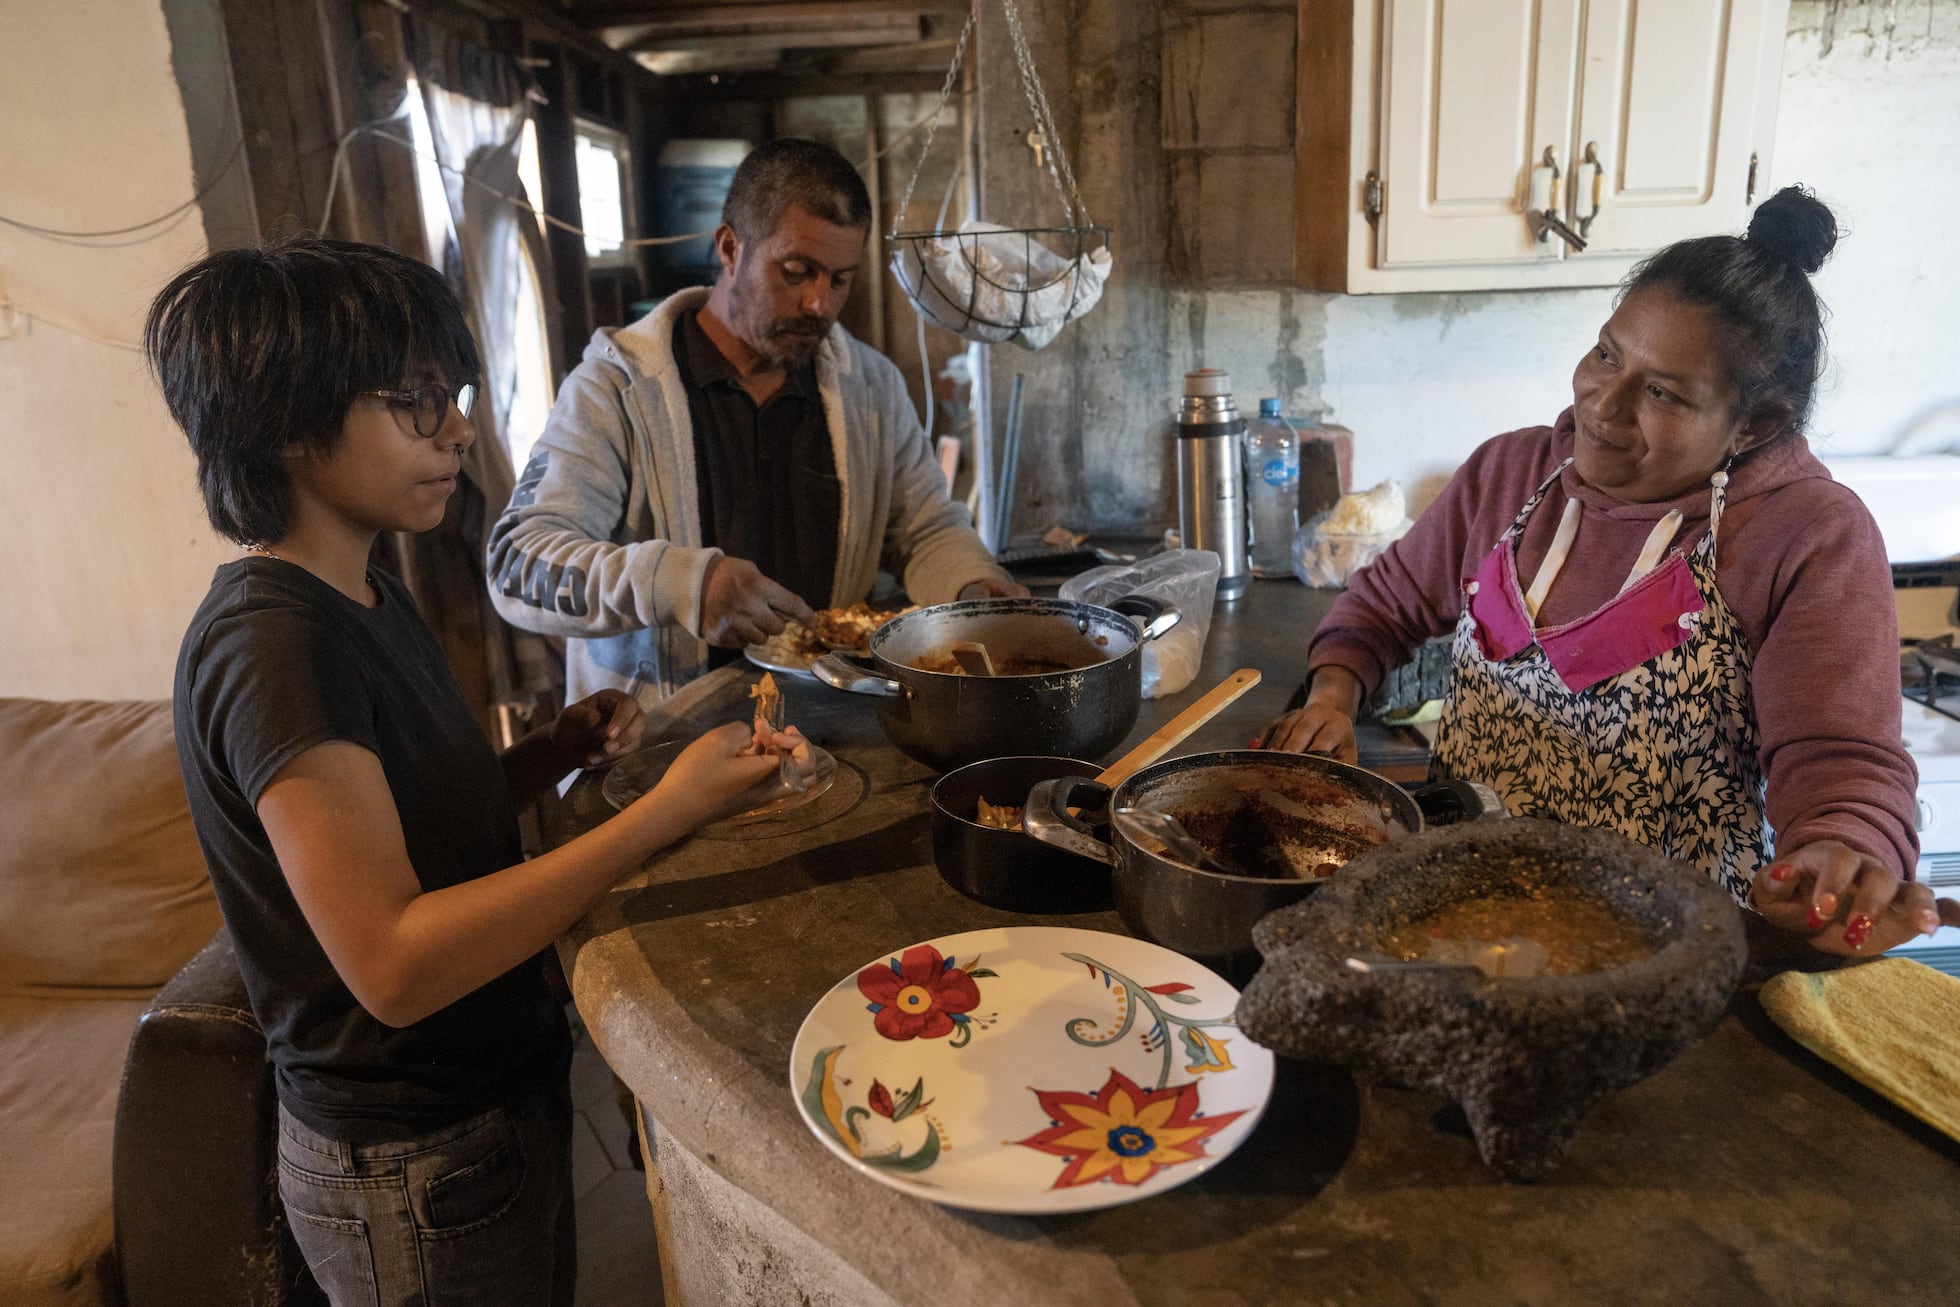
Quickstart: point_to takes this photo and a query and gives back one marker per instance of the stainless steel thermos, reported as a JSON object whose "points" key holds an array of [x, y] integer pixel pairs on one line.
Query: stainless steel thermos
{"points": [[1211, 476]]}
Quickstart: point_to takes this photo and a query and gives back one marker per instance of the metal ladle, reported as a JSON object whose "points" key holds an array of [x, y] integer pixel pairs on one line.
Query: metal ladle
{"points": [[1506, 959], [1143, 826]]}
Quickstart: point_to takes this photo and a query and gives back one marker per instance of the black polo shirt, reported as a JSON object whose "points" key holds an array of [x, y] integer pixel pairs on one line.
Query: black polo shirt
{"points": [[766, 475]]}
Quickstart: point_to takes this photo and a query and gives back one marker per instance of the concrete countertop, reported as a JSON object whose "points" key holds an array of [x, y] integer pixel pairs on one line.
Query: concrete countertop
{"points": [[1746, 1171]]}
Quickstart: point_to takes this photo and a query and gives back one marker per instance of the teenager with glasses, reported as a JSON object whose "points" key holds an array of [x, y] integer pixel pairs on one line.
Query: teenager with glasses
{"points": [[361, 833]]}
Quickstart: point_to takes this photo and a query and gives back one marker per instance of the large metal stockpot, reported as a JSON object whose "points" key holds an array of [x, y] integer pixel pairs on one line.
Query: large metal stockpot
{"points": [[946, 719], [1207, 914]]}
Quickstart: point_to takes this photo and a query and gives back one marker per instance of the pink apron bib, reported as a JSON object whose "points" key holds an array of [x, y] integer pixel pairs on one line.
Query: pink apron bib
{"points": [[1636, 717]]}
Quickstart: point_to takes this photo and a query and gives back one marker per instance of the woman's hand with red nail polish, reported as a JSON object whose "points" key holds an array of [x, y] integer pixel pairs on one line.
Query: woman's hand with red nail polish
{"points": [[1848, 902]]}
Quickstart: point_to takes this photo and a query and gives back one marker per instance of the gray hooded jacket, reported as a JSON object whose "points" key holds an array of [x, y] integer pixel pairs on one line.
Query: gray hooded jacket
{"points": [[601, 541]]}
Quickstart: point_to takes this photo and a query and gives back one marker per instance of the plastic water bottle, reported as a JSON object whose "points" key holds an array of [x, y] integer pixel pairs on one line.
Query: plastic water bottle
{"points": [[1272, 464]]}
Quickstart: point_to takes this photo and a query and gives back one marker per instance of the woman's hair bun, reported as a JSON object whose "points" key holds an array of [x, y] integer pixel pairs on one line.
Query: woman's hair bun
{"points": [[1794, 228]]}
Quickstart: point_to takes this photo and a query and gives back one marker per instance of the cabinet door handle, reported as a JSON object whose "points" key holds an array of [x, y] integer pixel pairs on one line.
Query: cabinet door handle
{"points": [[1598, 187], [1546, 222]]}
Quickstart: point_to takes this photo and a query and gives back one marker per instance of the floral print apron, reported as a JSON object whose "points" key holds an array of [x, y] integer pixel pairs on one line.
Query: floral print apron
{"points": [[1636, 717]]}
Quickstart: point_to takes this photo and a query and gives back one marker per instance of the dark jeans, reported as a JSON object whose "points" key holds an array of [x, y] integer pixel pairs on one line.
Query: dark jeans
{"points": [[478, 1214]]}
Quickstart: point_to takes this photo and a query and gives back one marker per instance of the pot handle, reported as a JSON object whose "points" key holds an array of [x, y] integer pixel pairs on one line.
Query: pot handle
{"points": [[1447, 802], [1153, 615], [1046, 816], [838, 673]]}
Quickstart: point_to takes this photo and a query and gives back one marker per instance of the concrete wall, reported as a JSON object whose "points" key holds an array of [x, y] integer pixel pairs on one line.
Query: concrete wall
{"points": [[106, 548], [1179, 118]]}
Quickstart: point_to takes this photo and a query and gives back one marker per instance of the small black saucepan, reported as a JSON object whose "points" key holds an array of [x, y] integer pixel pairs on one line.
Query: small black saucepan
{"points": [[1266, 810], [1005, 868]]}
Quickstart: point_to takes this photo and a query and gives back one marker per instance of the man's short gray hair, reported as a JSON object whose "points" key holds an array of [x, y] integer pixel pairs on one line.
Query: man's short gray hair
{"points": [[790, 171]]}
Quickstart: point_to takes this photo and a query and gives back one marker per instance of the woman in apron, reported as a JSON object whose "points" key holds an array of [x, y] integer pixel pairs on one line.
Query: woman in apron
{"points": [[1668, 620]]}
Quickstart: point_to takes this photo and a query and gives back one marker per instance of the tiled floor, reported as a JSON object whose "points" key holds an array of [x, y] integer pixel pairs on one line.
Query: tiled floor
{"points": [[618, 1261]]}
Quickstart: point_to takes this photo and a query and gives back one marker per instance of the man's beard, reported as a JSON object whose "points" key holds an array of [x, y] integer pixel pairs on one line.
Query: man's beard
{"points": [[792, 340]]}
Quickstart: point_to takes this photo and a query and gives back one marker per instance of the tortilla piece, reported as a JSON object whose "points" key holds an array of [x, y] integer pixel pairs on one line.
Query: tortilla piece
{"points": [[768, 698], [1893, 1024]]}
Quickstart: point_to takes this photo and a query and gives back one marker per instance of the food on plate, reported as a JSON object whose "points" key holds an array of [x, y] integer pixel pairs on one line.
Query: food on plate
{"points": [[999, 816], [1579, 933], [839, 628]]}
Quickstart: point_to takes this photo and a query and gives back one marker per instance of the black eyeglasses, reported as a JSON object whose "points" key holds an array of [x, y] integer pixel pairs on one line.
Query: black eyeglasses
{"points": [[429, 404]]}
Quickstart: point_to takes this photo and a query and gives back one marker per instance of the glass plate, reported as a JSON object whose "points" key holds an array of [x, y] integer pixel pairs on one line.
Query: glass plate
{"points": [[636, 773], [1029, 1069]]}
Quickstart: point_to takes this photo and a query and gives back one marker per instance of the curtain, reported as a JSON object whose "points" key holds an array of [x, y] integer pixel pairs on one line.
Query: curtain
{"points": [[477, 105]]}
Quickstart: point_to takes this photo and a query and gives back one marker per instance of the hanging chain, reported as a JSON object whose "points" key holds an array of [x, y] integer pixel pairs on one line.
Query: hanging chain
{"points": [[945, 94], [1058, 165], [1078, 213]]}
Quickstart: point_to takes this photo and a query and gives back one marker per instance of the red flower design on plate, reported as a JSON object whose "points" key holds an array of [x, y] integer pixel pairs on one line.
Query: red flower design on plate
{"points": [[1122, 1132], [921, 995]]}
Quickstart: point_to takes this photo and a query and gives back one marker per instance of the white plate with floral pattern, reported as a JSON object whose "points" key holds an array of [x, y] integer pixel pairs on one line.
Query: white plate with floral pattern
{"points": [[1030, 1069]]}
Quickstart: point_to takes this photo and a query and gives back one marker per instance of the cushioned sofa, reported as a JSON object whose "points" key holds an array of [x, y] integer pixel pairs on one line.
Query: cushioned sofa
{"points": [[104, 899]]}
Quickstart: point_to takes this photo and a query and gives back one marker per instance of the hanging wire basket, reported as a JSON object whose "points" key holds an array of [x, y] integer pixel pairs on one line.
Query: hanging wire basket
{"points": [[997, 284], [993, 283]]}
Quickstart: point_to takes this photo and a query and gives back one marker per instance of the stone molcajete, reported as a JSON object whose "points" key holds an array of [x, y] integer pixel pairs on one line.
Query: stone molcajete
{"points": [[1527, 1058]]}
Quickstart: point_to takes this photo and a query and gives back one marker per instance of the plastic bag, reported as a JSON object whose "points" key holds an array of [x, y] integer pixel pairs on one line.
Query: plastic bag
{"points": [[1186, 579], [1326, 559], [995, 284], [1334, 545]]}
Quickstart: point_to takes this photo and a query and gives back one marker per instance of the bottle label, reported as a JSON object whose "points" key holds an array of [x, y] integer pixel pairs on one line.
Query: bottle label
{"points": [[1277, 473]]}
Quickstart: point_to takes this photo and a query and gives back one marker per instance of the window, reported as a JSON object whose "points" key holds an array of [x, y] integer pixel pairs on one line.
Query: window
{"points": [[604, 189]]}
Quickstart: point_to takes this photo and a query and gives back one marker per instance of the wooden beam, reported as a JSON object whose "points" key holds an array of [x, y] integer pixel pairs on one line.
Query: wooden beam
{"points": [[902, 32], [569, 292], [747, 17], [1323, 200], [772, 86], [549, 21]]}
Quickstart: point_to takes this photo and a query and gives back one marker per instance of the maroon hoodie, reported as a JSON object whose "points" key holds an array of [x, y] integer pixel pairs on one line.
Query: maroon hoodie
{"points": [[1799, 562]]}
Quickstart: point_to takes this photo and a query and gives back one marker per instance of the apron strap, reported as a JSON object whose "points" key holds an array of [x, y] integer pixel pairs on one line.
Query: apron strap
{"points": [[1658, 540], [1650, 553], [1541, 585], [1717, 484], [1517, 523]]}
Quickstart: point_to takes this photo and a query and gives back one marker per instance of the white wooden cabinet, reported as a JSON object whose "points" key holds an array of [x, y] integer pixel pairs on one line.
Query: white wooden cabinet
{"points": [[1430, 131]]}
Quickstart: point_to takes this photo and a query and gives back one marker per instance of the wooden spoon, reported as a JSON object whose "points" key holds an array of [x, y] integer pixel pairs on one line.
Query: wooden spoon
{"points": [[972, 657], [1172, 733]]}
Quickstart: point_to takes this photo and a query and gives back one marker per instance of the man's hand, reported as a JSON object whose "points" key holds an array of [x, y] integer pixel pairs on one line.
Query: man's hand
{"points": [[740, 606], [994, 588]]}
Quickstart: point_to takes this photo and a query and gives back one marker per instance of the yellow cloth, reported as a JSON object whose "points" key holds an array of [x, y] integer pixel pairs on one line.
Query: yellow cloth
{"points": [[1893, 1024]]}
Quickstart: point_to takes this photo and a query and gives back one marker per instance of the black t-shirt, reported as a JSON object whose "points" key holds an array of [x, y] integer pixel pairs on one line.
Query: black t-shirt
{"points": [[275, 662], [767, 475]]}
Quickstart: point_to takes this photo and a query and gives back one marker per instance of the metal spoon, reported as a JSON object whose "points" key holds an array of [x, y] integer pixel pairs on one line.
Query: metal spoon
{"points": [[1506, 959], [1141, 825]]}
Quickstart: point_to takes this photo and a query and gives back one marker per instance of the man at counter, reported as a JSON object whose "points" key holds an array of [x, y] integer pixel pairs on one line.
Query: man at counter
{"points": [[733, 459]]}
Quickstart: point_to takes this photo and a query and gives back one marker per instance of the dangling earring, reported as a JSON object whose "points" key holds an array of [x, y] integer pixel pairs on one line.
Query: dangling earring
{"points": [[1718, 482], [1719, 479]]}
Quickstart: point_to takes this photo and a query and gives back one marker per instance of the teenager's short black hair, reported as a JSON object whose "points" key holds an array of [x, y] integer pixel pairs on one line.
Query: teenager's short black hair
{"points": [[261, 349], [790, 171], [1759, 287]]}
